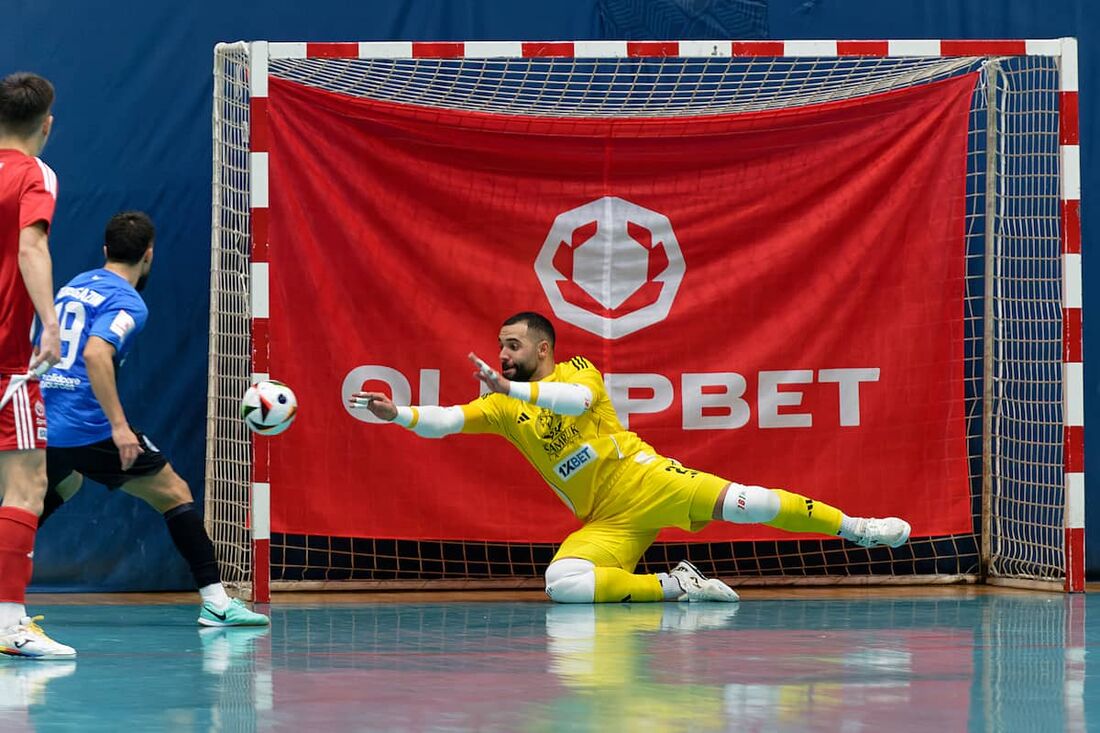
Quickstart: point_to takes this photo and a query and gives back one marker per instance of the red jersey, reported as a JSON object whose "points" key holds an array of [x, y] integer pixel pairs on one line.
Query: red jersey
{"points": [[28, 193]]}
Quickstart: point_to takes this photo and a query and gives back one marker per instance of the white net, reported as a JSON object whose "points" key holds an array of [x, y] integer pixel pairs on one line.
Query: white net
{"points": [[1013, 311], [614, 87], [1023, 328], [228, 447]]}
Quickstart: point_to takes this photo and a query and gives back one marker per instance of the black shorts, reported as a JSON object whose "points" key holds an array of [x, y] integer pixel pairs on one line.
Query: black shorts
{"points": [[101, 463]]}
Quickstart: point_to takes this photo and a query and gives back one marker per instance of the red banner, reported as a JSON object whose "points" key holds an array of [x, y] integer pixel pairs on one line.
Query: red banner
{"points": [[773, 297]]}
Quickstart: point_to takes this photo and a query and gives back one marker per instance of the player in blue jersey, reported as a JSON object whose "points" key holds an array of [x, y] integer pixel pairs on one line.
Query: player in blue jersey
{"points": [[101, 312]]}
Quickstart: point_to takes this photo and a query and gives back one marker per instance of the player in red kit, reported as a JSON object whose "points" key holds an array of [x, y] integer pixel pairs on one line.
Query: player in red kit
{"points": [[28, 193]]}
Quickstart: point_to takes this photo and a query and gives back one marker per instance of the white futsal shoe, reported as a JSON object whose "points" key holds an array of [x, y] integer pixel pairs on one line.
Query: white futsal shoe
{"points": [[890, 531], [27, 640], [696, 587]]}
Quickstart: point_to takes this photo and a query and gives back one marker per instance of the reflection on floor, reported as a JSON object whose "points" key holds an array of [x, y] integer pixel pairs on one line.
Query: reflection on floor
{"points": [[943, 661]]}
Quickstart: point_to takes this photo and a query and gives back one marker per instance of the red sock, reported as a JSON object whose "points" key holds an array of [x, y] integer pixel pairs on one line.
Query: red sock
{"points": [[17, 528]]}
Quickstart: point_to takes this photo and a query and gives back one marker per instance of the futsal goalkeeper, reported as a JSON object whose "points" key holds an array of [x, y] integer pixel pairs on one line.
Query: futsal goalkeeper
{"points": [[560, 417]]}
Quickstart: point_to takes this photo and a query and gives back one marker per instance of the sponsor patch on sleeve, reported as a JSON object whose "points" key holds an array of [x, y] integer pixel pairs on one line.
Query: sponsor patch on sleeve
{"points": [[122, 324]]}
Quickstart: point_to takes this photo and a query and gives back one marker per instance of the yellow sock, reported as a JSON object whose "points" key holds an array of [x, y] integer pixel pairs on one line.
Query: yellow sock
{"points": [[615, 585], [799, 514]]}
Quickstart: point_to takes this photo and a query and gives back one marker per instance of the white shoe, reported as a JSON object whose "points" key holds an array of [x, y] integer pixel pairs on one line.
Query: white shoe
{"points": [[27, 639], [890, 531], [698, 588]]}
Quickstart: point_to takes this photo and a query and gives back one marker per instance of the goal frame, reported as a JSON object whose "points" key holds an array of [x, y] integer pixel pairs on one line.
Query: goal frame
{"points": [[260, 53]]}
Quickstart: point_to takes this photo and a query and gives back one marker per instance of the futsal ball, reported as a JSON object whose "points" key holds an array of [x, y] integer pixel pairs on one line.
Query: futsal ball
{"points": [[268, 407]]}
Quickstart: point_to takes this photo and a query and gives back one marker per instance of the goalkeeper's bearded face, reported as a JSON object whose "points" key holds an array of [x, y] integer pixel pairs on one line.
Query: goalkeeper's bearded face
{"points": [[519, 352]]}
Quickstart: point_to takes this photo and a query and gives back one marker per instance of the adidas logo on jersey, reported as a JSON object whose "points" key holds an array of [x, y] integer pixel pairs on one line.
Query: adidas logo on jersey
{"points": [[579, 362]]}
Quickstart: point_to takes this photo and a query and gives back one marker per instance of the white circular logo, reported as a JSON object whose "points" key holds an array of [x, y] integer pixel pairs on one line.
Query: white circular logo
{"points": [[610, 267]]}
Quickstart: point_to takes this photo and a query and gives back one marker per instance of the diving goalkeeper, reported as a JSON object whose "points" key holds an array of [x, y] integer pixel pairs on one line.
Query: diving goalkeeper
{"points": [[559, 415]]}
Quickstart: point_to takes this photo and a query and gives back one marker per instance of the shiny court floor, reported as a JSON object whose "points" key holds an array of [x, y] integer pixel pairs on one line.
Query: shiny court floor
{"points": [[945, 660]]}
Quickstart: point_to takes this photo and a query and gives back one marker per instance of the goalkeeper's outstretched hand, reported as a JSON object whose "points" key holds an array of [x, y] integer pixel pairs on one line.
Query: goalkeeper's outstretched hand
{"points": [[489, 376], [379, 404]]}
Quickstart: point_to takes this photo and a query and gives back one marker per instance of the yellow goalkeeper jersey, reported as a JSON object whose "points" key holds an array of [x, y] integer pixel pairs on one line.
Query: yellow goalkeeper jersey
{"points": [[580, 457]]}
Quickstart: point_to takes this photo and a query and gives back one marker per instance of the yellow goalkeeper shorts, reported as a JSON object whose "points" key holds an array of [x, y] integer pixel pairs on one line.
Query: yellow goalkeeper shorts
{"points": [[644, 500]]}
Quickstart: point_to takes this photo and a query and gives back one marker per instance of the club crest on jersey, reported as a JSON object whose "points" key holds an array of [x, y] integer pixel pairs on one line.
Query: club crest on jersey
{"points": [[548, 424], [573, 462], [555, 434]]}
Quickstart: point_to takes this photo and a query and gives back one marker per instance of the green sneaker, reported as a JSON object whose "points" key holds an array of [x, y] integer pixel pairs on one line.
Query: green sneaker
{"points": [[236, 615]]}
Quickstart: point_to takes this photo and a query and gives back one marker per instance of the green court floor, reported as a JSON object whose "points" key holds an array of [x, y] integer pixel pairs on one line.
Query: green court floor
{"points": [[1015, 662]]}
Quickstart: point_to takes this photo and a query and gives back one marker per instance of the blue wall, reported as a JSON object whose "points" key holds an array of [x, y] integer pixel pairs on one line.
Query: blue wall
{"points": [[133, 131]]}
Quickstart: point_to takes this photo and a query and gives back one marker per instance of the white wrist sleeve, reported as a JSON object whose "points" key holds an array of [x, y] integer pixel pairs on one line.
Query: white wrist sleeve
{"points": [[431, 421], [561, 397]]}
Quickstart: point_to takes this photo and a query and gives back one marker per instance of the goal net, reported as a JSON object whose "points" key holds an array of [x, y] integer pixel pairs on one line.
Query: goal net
{"points": [[1019, 360]]}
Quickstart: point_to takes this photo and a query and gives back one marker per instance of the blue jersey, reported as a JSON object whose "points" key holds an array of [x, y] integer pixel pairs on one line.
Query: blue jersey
{"points": [[94, 303]]}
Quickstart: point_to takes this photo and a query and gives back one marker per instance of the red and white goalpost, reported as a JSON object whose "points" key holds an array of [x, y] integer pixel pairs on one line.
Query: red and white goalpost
{"points": [[903, 215]]}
